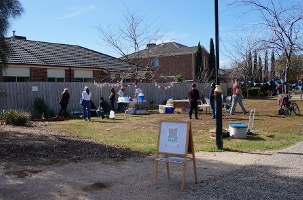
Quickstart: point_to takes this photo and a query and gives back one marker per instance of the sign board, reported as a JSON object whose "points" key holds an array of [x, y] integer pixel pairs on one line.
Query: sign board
{"points": [[173, 137], [175, 145], [34, 88]]}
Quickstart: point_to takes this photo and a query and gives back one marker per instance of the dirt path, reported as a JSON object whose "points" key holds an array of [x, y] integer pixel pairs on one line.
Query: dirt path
{"points": [[33, 167], [131, 179]]}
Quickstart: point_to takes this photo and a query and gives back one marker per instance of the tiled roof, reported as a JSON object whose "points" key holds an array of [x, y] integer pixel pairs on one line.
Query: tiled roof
{"points": [[54, 54], [170, 48]]}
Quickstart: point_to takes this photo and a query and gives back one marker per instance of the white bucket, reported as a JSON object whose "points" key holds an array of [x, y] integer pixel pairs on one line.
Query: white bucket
{"points": [[112, 114]]}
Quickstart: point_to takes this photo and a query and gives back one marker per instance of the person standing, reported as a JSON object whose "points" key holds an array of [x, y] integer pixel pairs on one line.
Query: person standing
{"points": [[212, 100], [120, 95], [137, 91], [86, 96], [112, 97], [237, 98], [193, 97], [64, 100]]}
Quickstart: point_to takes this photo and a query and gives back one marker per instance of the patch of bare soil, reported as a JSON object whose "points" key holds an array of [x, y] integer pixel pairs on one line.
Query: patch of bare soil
{"points": [[35, 144]]}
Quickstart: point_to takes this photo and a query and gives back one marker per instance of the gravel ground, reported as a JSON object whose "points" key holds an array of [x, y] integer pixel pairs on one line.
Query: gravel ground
{"points": [[39, 164], [276, 177]]}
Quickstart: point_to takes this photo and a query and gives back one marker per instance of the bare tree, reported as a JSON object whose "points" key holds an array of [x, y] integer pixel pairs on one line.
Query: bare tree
{"points": [[281, 24], [129, 38]]}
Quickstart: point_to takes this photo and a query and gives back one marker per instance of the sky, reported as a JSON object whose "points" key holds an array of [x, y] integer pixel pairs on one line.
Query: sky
{"points": [[75, 22]]}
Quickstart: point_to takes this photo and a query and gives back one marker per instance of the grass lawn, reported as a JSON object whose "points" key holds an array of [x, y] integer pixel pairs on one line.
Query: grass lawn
{"points": [[140, 132]]}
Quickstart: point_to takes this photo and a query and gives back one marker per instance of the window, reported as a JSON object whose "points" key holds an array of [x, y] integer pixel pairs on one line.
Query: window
{"points": [[83, 76], [89, 80], [16, 74], [127, 80], [155, 62], [15, 79], [55, 75], [50, 79], [22, 79]]}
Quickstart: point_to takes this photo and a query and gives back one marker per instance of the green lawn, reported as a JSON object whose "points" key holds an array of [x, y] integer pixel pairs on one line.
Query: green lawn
{"points": [[140, 132]]}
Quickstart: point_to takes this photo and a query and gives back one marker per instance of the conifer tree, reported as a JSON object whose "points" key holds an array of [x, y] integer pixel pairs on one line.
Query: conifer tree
{"points": [[265, 71], [212, 61], [272, 64], [199, 63]]}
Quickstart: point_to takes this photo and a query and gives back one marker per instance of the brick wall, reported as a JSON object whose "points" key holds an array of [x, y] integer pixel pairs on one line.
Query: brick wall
{"points": [[69, 75], [172, 65], [38, 74], [101, 76]]}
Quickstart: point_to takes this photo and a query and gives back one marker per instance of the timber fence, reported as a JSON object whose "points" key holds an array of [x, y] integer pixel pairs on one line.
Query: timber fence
{"points": [[20, 95]]}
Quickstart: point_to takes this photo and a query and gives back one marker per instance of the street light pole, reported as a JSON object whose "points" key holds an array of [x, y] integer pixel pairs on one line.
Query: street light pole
{"points": [[218, 90]]}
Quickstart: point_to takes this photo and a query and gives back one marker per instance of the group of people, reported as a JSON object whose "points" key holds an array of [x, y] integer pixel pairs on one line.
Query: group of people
{"points": [[194, 98], [104, 107]]}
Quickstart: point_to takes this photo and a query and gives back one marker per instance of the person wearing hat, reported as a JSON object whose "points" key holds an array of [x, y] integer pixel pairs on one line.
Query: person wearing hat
{"points": [[63, 101], [193, 97], [86, 96], [237, 98]]}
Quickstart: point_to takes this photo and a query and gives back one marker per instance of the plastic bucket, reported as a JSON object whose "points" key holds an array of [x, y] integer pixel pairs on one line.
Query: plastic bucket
{"points": [[162, 108], [112, 114], [140, 98]]}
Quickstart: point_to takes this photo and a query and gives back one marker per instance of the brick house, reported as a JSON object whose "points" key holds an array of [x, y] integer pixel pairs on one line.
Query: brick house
{"points": [[164, 61], [35, 61]]}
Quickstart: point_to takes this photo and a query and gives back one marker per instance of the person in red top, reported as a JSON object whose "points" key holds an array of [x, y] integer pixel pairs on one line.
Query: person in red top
{"points": [[237, 98], [193, 97]]}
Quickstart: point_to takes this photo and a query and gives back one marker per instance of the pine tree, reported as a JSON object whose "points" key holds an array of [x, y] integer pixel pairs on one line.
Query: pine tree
{"points": [[199, 63], [249, 66], [212, 61], [260, 69], [265, 71], [254, 72], [272, 64]]}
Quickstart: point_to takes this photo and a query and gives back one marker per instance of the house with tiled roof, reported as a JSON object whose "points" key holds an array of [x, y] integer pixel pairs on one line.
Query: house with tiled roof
{"points": [[37, 61], [167, 60]]}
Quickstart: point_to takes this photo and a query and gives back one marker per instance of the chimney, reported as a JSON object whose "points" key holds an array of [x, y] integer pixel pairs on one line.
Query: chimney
{"points": [[149, 45]]}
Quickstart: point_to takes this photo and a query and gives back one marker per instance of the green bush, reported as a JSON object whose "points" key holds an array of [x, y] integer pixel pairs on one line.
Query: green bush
{"points": [[15, 117], [42, 110]]}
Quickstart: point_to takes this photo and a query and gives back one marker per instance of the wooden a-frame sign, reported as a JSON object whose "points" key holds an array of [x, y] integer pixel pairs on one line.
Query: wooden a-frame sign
{"points": [[175, 145]]}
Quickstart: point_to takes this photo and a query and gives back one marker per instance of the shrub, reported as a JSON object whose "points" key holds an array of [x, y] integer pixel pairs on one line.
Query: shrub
{"points": [[15, 117], [42, 110]]}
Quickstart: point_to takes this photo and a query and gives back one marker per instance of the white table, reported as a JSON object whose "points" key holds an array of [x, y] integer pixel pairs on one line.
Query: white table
{"points": [[206, 107]]}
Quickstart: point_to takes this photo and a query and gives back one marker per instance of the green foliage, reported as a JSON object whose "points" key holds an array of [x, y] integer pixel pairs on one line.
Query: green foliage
{"points": [[9, 9], [42, 110], [199, 63], [212, 61], [15, 117], [179, 78]]}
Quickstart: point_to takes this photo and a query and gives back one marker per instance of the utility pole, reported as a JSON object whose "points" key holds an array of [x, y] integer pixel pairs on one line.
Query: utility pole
{"points": [[218, 90]]}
